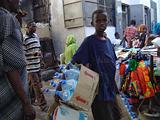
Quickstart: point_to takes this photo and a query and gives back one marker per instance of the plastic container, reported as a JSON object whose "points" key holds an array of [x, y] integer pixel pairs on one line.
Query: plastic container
{"points": [[65, 95], [68, 84], [58, 75], [71, 74]]}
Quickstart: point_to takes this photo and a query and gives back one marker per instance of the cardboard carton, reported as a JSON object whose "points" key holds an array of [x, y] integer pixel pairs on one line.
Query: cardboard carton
{"points": [[66, 113], [86, 89]]}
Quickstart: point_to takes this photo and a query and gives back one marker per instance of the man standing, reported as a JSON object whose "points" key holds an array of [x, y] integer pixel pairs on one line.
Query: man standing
{"points": [[33, 57], [14, 100]]}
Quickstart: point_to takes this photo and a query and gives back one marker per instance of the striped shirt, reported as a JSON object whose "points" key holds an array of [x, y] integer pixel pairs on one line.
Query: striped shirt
{"points": [[11, 58], [32, 47]]}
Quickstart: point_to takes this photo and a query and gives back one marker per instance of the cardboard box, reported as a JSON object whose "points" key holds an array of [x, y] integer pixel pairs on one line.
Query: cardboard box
{"points": [[86, 89], [66, 113]]}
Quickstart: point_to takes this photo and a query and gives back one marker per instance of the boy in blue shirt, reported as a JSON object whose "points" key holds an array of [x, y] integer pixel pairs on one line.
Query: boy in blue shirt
{"points": [[97, 53]]}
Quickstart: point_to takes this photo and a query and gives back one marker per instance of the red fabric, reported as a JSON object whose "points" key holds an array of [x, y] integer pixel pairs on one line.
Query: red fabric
{"points": [[138, 84], [133, 100], [144, 80], [135, 86], [122, 69]]}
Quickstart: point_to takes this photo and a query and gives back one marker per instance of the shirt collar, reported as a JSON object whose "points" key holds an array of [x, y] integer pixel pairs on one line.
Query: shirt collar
{"points": [[1, 8]]}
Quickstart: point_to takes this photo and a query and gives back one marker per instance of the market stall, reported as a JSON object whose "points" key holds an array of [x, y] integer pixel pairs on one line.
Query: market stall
{"points": [[139, 81]]}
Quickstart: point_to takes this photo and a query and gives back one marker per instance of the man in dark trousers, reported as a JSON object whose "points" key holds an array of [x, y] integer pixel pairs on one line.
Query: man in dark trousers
{"points": [[14, 100]]}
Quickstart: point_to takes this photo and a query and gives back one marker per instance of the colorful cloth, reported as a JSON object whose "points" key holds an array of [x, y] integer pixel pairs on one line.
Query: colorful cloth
{"points": [[144, 79], [138, 82], [122, 69]]}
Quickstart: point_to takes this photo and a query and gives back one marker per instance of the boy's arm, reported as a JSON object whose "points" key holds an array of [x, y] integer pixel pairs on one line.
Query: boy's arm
{"points": [[87, 65], [82, 54]]}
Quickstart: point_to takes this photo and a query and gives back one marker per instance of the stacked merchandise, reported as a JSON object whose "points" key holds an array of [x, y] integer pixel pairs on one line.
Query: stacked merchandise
{"points": [[136, 79], [68, 84], [153, 51], [75, 87], [129, 107], [149, 50], [67, 80]]}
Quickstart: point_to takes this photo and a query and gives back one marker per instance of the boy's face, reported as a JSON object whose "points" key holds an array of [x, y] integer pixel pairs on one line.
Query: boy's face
{"points": [[100, 22]]}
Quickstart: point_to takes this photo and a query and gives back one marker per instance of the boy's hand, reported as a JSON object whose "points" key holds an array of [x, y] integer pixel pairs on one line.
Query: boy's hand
{"points": [[57, 98]]}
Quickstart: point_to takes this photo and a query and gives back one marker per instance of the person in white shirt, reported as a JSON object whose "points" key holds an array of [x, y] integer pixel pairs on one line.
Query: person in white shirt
{"points": [[117, 39], [118, 42]]}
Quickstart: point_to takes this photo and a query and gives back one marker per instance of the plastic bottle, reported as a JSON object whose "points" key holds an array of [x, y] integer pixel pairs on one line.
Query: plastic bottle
{"points": [[71, 74], [65, 95], [50, 91], [71, 66], [82, 116], [53, 84], [58, 75], [62, 68], [68, 84], [133, 115]]}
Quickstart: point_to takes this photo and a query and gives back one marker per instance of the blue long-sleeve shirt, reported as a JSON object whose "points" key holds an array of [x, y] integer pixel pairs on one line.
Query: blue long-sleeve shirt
{"points": [[101, 58]]}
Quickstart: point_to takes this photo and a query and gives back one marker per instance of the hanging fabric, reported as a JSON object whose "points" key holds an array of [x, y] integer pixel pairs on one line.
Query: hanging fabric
{"points": [[137, 82]]}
